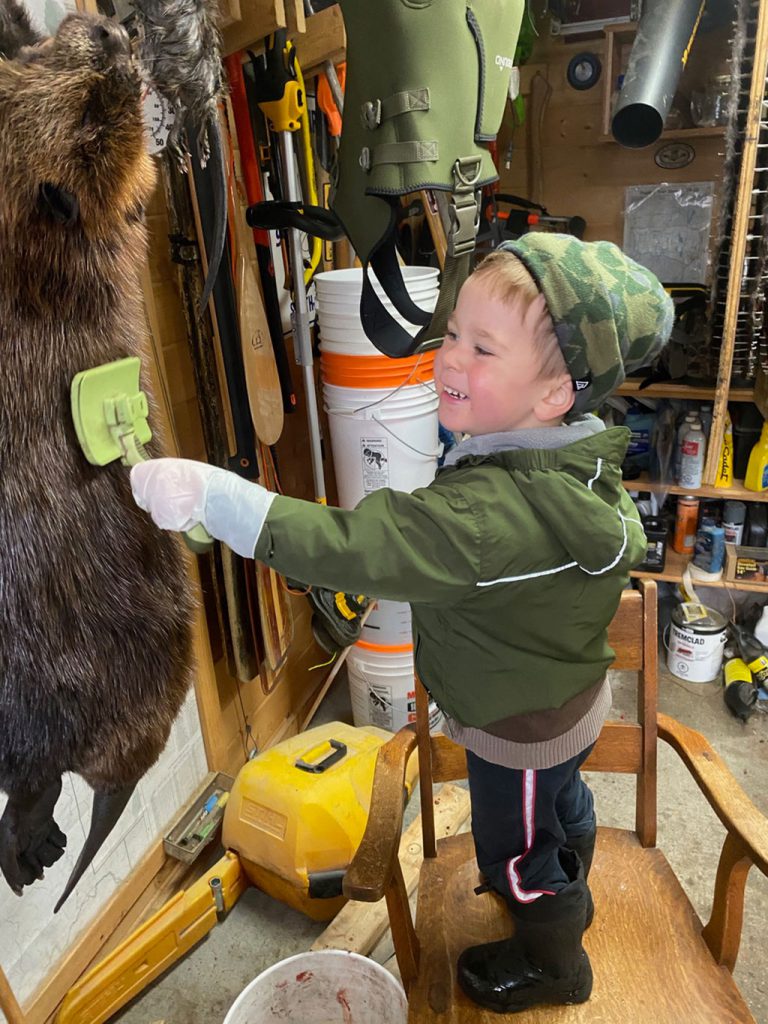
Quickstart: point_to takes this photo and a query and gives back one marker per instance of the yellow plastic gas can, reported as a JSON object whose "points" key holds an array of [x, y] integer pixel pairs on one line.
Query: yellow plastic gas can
{"points": [[297, 813]]}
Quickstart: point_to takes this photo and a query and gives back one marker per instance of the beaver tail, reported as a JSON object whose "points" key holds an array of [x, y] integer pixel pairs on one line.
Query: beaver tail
{"points": [[105, 813]]}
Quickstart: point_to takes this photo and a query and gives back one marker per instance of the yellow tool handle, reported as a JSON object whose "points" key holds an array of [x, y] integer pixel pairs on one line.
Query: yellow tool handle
{"points": [[309, 163], [286, 112]]}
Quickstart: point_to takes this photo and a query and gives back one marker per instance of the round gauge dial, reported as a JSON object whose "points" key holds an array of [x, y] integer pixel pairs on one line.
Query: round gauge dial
{"points": [[158, 119]]}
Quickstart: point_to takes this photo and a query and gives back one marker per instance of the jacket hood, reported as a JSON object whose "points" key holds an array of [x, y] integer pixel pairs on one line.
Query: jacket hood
{"points": [[577, 492]]}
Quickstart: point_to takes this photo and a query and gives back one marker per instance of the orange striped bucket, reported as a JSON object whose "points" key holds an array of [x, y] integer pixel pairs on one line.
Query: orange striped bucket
{"points": [[379, 371]]}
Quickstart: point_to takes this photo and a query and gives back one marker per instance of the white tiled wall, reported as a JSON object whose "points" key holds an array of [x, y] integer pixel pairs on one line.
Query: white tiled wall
{"points": [[32, 939], [47, 14]]}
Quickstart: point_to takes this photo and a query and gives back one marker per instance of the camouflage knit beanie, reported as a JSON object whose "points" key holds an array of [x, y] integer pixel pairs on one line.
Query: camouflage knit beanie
{"points": [[611, 315]]}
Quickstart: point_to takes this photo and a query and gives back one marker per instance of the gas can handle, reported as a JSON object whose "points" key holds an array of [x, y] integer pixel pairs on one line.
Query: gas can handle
{"points": [[339, 751]]}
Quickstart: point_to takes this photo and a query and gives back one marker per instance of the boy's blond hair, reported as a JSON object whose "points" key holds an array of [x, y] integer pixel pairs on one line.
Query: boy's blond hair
{"points": [[507, 278]]}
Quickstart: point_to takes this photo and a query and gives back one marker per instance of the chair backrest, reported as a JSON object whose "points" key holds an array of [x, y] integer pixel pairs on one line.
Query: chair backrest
{"points": [[628, 747]]}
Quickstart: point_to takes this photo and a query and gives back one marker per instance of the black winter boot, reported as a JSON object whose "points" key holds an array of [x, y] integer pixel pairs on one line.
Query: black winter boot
{"points": [[584, 846], [544, 962]]}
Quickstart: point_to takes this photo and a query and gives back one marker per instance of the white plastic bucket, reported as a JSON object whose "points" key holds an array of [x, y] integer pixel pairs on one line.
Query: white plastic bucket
{"points": [[329, 986], [352, 339], [382, 437], [389, 624], [696, 642], [347, 304], [382, 687], [336, 328], [334, 285], [339, 292]]}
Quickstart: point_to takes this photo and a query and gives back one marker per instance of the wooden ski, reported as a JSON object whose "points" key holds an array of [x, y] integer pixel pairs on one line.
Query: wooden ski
{"points": [[274, 602], [261, 378], [244, 633]]}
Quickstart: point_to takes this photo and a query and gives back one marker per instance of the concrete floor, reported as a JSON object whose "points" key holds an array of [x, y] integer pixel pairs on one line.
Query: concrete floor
{"points": [[260, 931]]}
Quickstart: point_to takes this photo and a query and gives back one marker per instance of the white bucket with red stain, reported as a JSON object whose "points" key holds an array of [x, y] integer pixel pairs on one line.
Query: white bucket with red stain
{"points": [[329, 986]]}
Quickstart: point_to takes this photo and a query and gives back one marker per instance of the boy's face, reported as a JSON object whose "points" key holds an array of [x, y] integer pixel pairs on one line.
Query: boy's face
{"points": [[486, 371]]}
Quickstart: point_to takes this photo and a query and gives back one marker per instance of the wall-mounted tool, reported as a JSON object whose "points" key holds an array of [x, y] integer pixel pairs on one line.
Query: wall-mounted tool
{"points": [[243, 461], [245, 116], [281, 97], [519, 216]]}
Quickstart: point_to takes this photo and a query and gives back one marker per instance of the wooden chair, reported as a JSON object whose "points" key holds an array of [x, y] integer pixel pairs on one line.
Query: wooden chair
{"points": [[653, 961]]}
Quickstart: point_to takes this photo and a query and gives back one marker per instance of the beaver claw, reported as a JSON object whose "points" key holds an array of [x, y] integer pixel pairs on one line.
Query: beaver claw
{"points": [[30, 840]]}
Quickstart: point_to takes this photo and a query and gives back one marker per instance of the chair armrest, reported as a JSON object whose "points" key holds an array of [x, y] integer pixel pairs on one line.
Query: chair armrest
{"points": [[370, 872], [718, 784]]}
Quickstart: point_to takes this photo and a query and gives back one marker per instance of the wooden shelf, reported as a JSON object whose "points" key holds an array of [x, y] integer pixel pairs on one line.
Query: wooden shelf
{"points": [[674, 567], [690, 392], [682, 134], [737, 492]]}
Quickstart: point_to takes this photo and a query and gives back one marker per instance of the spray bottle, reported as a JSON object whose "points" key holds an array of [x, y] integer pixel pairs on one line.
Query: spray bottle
{"points": [[681, 431], [692, 456]]}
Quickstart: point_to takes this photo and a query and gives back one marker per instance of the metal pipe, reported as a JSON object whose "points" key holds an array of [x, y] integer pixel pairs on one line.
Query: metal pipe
{"points": [[665, 34], [335, 84]]}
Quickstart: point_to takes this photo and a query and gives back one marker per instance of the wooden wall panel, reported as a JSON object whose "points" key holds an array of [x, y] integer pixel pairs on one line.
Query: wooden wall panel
{"points": [[582, 174], [228, 707]]}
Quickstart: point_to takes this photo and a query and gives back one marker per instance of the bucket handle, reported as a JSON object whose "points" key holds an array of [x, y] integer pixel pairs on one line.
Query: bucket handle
{"points": [[374, 419], [427, 455]]}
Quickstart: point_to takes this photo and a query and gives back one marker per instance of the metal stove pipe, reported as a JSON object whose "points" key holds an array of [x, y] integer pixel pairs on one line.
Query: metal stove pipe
{"points": [[665, 34]]}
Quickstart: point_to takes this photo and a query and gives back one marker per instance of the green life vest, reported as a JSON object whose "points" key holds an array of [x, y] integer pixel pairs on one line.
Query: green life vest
{"points": [[427, 82]]}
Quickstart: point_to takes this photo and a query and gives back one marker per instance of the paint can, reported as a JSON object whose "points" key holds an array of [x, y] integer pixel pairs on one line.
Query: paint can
{"points": [[696, 640]]}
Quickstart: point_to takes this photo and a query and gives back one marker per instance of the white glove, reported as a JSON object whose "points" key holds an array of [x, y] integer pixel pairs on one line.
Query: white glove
{"points": [[178, 493]]}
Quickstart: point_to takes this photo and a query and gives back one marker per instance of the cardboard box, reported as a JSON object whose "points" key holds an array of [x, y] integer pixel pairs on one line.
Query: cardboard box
{"points": [[746, 564]]}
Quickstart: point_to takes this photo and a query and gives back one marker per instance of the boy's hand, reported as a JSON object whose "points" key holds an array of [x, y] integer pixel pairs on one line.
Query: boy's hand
{"points": [[173, 491], [178, 493]]}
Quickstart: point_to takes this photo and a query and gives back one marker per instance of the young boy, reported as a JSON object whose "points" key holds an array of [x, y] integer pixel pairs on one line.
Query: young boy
{"points": [[513, 561]]}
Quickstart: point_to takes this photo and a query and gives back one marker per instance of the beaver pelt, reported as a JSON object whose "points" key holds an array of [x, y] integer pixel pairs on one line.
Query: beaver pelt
{"points": [[95, 605]]}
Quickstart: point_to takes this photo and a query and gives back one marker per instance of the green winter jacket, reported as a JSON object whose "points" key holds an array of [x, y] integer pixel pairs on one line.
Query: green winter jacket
{"points": [[513, 563]]}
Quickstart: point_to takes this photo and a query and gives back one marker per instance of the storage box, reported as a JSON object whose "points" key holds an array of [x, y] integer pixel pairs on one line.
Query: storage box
{"points": [[181, 841], [297, 813], [746, 564]]}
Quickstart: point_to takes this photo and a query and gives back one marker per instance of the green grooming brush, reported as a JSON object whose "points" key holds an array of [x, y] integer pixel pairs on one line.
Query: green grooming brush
{"points": [[109, 411]]}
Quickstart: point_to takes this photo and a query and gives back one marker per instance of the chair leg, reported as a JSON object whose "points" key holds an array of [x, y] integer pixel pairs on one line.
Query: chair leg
{"points": [[403, 933]]}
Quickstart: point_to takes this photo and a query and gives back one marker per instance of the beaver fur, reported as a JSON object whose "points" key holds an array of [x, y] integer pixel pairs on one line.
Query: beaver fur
{"points": [[95, 605], [16, 29]]}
